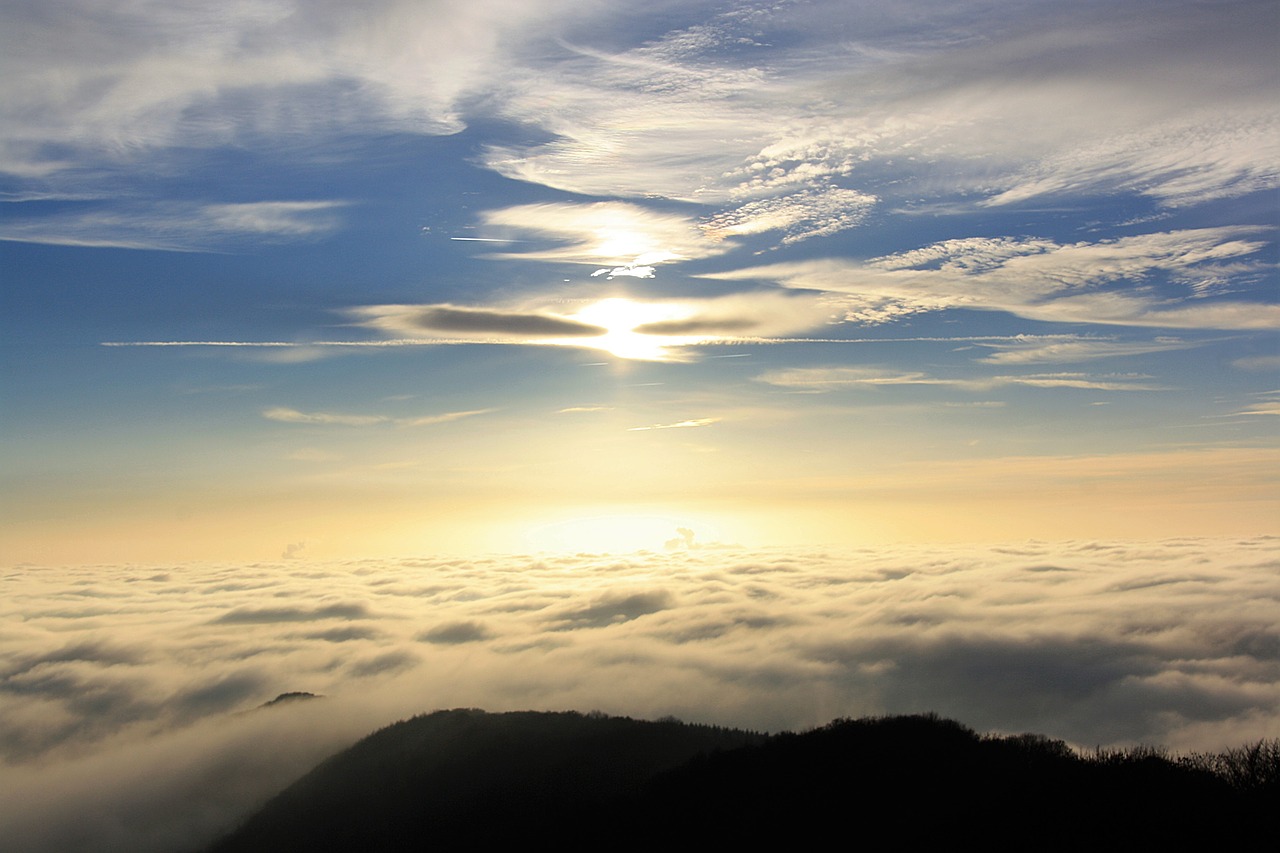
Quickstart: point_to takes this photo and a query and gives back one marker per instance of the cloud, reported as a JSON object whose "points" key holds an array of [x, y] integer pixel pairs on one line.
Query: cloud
{"points": [[683, 539], [384, 664], [1266, 403], [1073, 349], [178, 226], [800, 216], [825, 379], [447, 417], [151, 76], [647, 329], [450, 633], [651, 329], [614, 608], [447, 318], [1132, 281], [628, 237], [792, 119], [274, 218], [218, 695], [689, 424], [627, 271], [699, 326], [663, 118], [293, 416], [795, 121], [1180, 162], [135, 710], [344, 634], [88, 651], [252, 615]]}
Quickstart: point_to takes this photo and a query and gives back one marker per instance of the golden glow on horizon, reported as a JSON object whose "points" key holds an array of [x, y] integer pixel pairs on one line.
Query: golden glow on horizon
{"points": [[622, 533]]}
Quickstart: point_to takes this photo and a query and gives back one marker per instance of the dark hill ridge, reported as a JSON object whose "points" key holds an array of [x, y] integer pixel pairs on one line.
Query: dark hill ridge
{"points": [[465, 779]]}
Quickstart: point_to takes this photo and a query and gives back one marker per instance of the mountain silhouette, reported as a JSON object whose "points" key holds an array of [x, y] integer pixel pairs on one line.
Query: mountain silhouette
{"points": [[466, 779]]}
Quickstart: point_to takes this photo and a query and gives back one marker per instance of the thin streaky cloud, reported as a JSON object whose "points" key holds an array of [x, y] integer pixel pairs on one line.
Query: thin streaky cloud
{"points": [[179, 226], [288, 415], [1080, 349], [447, 417], [393, 342], [689, 424], [690, 343], [826, 379]]}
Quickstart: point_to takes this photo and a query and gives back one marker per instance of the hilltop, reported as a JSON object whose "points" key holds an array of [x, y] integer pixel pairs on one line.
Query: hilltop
{"points": [[470, 779]]}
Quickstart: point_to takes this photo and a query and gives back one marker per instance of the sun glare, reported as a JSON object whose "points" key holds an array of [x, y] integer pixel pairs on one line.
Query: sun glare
{"points": [[621, 317], [621, 534]]}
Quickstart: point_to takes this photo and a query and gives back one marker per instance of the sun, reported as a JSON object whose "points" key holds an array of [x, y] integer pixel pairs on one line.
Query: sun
{"points": [[621, 317]]}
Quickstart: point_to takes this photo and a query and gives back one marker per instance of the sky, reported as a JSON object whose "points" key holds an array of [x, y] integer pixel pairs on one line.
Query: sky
{"points": [[409, 278], [296, 295]]}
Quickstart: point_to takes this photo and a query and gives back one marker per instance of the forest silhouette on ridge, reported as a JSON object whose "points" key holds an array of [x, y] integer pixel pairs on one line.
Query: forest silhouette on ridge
{"points": [[467, 779]]}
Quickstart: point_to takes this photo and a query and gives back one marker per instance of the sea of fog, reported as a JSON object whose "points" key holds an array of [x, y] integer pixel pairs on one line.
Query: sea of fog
{"points": [[128, 693]]}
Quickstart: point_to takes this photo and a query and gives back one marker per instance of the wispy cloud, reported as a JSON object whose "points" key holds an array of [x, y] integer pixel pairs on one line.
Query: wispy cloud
{"points": [[810, 213], [447, 417], [1132, 281], [802, 135], [1033, 351], [689, 424], [788, 117], [178, 226], [825, 379], [623, 236], [450, 318], [150, 76], [293, 416], [1264, 403], [1258, 362]]}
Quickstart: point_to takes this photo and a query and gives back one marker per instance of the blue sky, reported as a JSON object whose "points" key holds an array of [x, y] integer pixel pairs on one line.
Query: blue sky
{"points": [[437, 278]]}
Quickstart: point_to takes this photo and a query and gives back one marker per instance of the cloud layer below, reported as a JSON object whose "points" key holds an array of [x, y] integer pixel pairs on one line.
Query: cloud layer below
{"points": [[121, 693]]}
